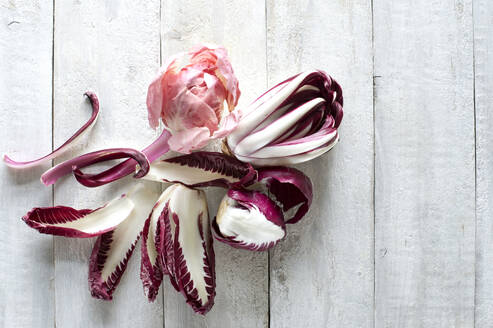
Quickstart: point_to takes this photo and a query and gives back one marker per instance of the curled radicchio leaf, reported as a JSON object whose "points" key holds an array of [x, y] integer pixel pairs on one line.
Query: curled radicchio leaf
{"points": [[113, 249], [201, 169], [250, 220], [92, 180], [151, 152], [66, 145], [290, 187], [188, 253]]}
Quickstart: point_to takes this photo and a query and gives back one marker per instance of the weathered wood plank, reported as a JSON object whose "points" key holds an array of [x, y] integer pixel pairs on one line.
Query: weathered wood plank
{"points": [[483, 53], [424, 200], [322, 274], [26, 259], [110, 47], [242, 291]]}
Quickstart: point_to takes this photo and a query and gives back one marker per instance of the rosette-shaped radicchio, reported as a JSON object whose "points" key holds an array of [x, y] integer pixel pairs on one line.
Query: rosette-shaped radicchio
{"points": [[181, 244], [250, 220], [189, 95], [293, 122]]}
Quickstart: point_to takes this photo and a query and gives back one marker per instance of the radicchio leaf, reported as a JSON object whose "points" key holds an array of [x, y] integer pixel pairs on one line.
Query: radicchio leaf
{"points": [[69, 222], [188, 253], [152, 152], [153, 243], [92, 180], [291, 188], [249, 220], [293, 122], [113, 249], [201, 169], [60, 150]]}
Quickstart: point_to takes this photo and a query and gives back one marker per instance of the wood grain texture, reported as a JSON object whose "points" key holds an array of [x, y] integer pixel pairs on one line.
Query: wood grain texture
{"points": [[424, 127], [26, 258], [111, 47], [483, 54], [322, 274], [242, 286]]}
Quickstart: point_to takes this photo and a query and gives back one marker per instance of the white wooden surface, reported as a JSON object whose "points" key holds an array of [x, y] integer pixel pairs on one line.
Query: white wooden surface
{"points": [[424, 169], [27, 294], [483, 51], [400, 232], [324, 269]]}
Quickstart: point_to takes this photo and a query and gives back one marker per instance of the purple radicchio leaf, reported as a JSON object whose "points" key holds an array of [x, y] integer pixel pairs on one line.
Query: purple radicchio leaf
{"points": [[93, 180], [153, 246], [113, 249], [69, 222], [66, 145], [151, 153], [201, 169], [249, 220], [188, 253], [290, 187]]}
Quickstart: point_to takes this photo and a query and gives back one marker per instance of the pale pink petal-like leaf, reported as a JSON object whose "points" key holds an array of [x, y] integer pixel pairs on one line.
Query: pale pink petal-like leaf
{"points": [[189, 96]]}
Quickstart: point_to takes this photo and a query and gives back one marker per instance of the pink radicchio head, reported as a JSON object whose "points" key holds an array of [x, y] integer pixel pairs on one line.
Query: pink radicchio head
{"points": [[295, 121], [250, 220], [186, 250], [189, 95]]}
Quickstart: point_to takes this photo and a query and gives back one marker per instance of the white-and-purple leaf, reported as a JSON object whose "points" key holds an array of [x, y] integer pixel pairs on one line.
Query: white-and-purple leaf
{"points": [[248, 219], [113, 249], [69, 222], [201, 169], [188, 252], [290, 187], [152, 268]]}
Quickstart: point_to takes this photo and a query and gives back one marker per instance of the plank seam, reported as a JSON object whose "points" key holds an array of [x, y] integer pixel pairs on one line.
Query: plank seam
{"points": [[266, 85], [374, 163], [162, 186], [475, 158], [52, 148]]}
